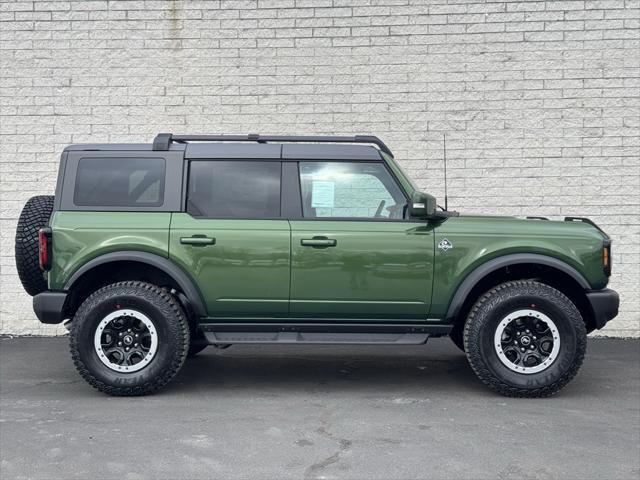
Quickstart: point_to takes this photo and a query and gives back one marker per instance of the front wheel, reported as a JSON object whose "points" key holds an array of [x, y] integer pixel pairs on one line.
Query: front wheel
{"points": [[129, 338], [525, 339]]}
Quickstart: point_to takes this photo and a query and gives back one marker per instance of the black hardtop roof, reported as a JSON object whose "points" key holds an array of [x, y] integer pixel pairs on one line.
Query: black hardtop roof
{"points": [[256, 147]]}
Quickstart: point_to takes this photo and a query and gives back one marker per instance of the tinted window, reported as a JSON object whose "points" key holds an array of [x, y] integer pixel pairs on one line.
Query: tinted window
{"points": [[234, 189], [349, 189], [120, 182]]}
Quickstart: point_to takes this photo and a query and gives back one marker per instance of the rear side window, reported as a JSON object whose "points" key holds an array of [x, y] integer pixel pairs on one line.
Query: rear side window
{"points": [[234, 189], [120, 182]]}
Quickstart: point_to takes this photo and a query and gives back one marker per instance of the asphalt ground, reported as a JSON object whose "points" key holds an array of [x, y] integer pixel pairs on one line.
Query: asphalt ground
{"points": [[361, 412]]}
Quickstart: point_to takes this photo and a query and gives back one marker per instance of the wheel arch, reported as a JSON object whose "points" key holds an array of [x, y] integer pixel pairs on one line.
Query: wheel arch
{"points": [[548, 269], [145, 263]]}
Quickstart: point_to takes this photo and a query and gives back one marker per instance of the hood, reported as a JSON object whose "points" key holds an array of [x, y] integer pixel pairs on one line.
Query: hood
{"points": [[535, 226]]}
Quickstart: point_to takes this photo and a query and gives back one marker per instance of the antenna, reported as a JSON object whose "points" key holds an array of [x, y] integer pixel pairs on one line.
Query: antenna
{"points": [[444, 144]]}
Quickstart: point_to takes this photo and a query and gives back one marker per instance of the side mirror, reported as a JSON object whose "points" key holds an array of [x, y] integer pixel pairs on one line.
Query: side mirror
{"points": [[422, 205]]}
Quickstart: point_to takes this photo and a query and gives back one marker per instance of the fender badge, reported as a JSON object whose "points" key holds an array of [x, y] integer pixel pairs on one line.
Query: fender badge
{"points": [[445, 245]]}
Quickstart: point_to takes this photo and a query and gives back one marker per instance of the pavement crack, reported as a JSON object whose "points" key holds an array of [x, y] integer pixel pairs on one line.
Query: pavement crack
{"points": [[343, 447]]}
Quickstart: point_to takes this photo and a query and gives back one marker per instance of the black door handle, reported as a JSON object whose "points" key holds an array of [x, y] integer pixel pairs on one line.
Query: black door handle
{"points": [[318, 242], [198, 240]]}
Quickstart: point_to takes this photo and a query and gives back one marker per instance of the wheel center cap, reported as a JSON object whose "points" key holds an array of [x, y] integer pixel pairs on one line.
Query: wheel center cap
{"points": [[525, 341], [128, 339]]}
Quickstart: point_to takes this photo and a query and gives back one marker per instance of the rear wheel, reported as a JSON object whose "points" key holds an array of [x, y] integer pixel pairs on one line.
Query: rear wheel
{"points": [[129, 338], [35, 215], [525, 339]]}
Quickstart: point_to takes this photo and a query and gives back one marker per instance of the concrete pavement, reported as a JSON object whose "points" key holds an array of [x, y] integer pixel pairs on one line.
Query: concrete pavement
{"points": [[352, 412]]}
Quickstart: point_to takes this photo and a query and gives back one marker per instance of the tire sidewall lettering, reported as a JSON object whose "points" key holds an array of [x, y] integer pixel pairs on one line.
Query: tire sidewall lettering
{"points": [[500, 302]]}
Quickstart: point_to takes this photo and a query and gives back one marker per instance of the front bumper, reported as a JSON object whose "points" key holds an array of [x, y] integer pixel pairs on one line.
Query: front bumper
{"points": [[49, 306], [604, 304]]}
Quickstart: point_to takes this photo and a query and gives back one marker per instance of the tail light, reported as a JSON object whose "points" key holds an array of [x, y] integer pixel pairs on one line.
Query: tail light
{"points": [[606, 258], [44, 248]]}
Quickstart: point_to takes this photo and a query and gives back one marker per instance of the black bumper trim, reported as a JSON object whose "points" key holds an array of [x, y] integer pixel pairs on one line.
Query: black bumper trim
{"points": [[48, 306], [604, 304]]}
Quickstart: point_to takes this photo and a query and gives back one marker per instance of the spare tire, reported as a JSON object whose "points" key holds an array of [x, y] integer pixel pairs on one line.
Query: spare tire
{"points": [[34, 216]]}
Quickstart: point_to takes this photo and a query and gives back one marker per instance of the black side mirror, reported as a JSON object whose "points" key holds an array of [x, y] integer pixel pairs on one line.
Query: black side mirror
{"points": [[422, 205]]}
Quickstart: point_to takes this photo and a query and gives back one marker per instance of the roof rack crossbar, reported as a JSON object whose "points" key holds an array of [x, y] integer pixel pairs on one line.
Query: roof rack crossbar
{"points": [[163, 140]]}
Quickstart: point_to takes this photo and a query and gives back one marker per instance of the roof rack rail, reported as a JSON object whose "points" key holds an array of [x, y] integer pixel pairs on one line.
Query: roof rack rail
{"points": [[164, 140]]}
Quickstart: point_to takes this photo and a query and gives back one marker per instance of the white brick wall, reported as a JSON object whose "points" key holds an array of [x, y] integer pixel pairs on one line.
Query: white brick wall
{"points": [[539, 99]]}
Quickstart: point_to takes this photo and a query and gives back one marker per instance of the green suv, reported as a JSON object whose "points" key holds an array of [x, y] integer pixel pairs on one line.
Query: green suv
{"points": [[151, 252]]}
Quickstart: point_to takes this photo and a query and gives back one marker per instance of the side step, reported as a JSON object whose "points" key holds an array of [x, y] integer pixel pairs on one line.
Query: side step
{"points": [[315, 333]]}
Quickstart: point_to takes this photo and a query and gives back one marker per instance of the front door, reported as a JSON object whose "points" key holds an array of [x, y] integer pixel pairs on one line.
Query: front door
{"points": [[232, 240], [354, 255]]}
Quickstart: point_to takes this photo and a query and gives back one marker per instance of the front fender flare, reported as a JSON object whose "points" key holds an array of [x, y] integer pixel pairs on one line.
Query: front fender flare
{"points": [[170, 268], [471, 280]]}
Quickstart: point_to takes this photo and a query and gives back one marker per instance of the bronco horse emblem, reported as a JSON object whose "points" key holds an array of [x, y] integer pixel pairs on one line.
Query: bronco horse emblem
{"points": [[445, 245]]}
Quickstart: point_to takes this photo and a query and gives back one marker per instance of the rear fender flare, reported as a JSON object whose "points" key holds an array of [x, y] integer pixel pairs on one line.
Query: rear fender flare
{"points": [[167, 266]]}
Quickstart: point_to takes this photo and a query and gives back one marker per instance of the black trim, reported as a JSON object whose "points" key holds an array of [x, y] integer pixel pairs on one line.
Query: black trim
{"points": [[57, 199], [164, 140], [234, 151], [324, 151], [174, 271], [464, 289], [290, 195], [605, 304], [48, 306], [322, 326], [186, 171], [161, 142], [322, 333]]}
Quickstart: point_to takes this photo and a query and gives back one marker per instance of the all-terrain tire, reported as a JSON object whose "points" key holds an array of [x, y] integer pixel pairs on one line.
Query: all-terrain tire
{"points": [[35, 215], [501, 301], [170, 324]]}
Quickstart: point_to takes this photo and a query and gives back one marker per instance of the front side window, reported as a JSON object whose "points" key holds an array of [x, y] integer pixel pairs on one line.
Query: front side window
{"points": [[349, 190], [120, 182], [234, 189]]}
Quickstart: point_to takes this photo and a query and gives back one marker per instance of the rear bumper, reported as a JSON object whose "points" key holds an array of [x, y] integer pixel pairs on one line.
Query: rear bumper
{"points": [[48, 306], [604, 304]]}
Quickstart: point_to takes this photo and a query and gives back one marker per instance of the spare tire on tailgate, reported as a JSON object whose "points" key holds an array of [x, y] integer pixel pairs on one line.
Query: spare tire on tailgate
{"points": [[34, 216]]}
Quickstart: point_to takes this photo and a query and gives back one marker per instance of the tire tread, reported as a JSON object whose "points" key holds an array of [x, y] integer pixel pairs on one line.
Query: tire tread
{"points": [[35, 215], [179, 330], [473, 331]]}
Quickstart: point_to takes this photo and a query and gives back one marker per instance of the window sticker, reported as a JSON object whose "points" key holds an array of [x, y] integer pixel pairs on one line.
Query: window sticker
{"points": [[322, 194]]}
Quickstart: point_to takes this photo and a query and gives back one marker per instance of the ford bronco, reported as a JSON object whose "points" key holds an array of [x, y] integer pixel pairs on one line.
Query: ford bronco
{"points": [[151, 252]]}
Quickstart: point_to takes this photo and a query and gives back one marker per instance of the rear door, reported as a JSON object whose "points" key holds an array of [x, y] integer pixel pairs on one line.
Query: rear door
{"points": [[232, 239], [354, 255]]}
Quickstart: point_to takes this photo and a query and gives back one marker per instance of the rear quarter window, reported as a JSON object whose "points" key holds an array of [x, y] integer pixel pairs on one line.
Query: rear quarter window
{"points": [[120, 182]]}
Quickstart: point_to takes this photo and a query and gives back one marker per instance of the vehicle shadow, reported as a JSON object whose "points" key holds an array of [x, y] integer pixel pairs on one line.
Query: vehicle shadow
{"points": [[328, 368]]}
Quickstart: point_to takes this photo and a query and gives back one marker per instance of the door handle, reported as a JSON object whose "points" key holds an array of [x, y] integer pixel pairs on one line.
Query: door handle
{"points": [[198, 240], [318, 242]]}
